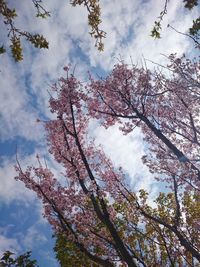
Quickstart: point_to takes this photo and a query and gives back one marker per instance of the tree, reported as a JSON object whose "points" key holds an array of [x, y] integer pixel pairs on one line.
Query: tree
{"points": [[155, 245], [23, 260], [97, 212], [69, 255]]}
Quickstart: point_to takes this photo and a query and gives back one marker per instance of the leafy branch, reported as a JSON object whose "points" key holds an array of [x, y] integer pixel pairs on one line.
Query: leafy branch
{"points": [[15, 34], [8, 260], [157, 24], [193, 32], [94, 20]]}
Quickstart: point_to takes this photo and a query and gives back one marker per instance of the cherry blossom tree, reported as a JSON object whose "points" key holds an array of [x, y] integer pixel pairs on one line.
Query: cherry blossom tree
{"points": [[93, 207]]}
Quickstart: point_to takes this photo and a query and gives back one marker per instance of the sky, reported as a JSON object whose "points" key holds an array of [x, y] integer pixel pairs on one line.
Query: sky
{"points": [[25, 92]]}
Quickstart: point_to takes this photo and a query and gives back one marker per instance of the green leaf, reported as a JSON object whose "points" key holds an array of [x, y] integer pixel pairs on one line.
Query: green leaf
{"points": [[2, 50], [195, 27], [38, 41], [16, 49], [155, 33]]}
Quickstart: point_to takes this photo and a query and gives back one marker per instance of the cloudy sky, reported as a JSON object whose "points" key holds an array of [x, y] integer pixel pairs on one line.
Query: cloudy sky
{"points": [[24, 97]]}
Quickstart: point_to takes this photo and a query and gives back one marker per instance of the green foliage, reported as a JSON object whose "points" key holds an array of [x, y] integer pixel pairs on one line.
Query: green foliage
{"points": [[38, 41], [157, 24], [190, 3], [156, 30], [41, 11], [94, 21], [68, 255], [6, 11], [16, 48], [195, 27], [193, 31], [94, 14], [15, 35], [2, 50], [23, 260]]}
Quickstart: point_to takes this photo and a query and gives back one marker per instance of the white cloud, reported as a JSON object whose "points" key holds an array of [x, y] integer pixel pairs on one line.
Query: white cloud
{"points": [[32, 77], [10, 189], [128, 25], [32, 237], [10, 244], [17, 113], [126, 151]]}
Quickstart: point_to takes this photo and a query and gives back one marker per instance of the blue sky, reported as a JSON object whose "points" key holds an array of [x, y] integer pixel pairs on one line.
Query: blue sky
{"points": [[24, 98]]}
